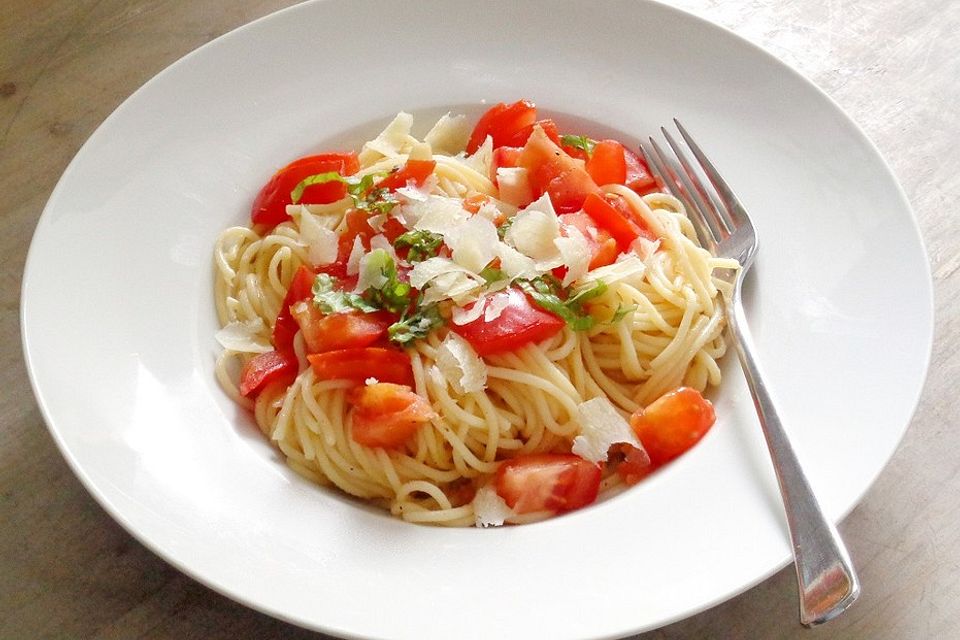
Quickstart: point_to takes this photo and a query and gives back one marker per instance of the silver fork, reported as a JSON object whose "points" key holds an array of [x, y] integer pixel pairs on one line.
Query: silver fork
{"points": [[827, 581]]}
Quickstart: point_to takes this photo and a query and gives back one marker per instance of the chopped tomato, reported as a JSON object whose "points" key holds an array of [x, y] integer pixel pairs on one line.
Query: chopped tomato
{"points": [[415, 171], [270, 205], [358, 225], [393, 229], [475, 202], [386, 365], [607, 164], [502, 122], [549, 127], [547, 482], [603, 248], [504, 157], [264, 368], [634, 464], [613, 214], [551, 170], [673, 423], [285, 328], [638, 176], [520, 323], [387, 415], [339, 330]]}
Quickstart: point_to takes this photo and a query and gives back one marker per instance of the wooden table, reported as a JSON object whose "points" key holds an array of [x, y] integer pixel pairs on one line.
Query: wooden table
{"points": [[68, 571]]}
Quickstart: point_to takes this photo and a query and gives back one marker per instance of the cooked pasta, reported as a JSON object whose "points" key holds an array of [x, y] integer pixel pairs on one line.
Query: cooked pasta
{"points": [[508, 337]]}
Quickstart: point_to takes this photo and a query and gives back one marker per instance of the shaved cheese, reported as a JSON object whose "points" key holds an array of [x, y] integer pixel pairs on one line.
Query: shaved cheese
{"points": [[495, 307], [328, 215], [371, 270], [394, 140], [533, 233], [420, 151], [516, 265], [644, 247], [449, 135], [489, 509], [431, 268], [628, 265], [412, 193], [321, 242], [514, 184], [482, 159], [380, 241], [376, 222], [462, 315], [576, 255], [438, 214], [251, 336], [356, 253], [456, 286], [473, 244], [461, 365], [601, 426]]}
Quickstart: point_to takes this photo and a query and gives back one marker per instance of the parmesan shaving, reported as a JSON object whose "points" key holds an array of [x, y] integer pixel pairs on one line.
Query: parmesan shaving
{"points": [[489, 509], [533, 233], [449, 135], [438, 214], [495, 307], [371, 270], [356, 253], [575, 253], [380, 241], [627, 266], [245, 337], [462, 315], [394, 140], [601, 426], [473, 244], [482, 159], [514, 185], [461, 365]]}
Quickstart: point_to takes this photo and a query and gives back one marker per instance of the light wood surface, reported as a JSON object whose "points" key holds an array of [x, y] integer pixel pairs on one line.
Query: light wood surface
{"points": [[68, 571]]}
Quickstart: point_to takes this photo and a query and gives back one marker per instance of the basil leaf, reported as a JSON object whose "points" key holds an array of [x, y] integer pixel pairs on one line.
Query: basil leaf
{"points": [[329, 299], [421, 243], [393, 295], [621, 313], [415, 326], [547, 292], [492, 275], [318, 178], [579, 142]]}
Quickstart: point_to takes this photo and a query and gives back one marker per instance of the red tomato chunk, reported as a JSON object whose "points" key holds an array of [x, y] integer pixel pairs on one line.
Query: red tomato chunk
{"points": [[547, 482]]}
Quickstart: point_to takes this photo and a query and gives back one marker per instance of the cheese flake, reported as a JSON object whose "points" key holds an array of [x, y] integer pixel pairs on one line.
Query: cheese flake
{"points": [[449, 135], [461, 366], [489, 508], [250, 336], [321, 242], [601, 426]]}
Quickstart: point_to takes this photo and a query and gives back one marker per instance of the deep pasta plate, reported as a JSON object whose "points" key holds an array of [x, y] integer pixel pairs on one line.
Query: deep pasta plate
{"points": [[167, 453]]}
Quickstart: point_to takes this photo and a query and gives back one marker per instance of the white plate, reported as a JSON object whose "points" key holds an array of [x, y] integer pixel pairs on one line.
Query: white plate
{"points": [[118, 319]]}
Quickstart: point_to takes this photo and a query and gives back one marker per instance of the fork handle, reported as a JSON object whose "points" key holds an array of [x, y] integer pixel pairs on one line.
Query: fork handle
{"points": [[827, 581]]}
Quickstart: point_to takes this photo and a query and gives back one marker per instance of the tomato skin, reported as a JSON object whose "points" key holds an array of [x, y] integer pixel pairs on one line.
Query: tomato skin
{"points": [[520, 323], [339, 330], [549, 127], [552, 171], [357, 225], [635, 465], [547, 482], [613, 214], [502, 122], [265, 368], [416, 171], [638, 176], [387, 415], [270, 205], [384, 364], [607, 164], [504, 157], [673, 423], [603, 248], [285, 328]]}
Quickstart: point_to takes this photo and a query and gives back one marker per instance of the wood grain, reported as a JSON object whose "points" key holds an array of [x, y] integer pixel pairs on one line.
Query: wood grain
{"points": [[68, 571]]}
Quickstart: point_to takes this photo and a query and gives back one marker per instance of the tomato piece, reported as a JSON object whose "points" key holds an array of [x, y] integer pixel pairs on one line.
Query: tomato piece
{"points": [[502, 122], [393, 229], [551, 170], [603, 248], [264, 368], [387, 415], [504, 157], [416, 171], [270, 205], [301, 288], [609, 214], [673, 423], [339, 330], [386, 365], [549, 127], [638, 175], [607, 164], [634, 464], [357, 225], [520, 323], [547, 482]]}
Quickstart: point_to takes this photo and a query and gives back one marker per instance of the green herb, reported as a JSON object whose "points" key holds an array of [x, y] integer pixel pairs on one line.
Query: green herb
{"points": [[549, 294], [621, 313], [421, 243], [579, 142], [492, 275], [390, 293], [329, 299], [365, 196], [415, 326], [504, 227]]}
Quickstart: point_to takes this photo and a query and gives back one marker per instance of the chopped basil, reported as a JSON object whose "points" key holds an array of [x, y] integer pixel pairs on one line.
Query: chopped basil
{"points": [[579, 142], [505, 227], [421, 243], [415, 326], [391, 293], [491, 275], [548, 293], [329, 299], [365, 196], [621, 313]]}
